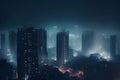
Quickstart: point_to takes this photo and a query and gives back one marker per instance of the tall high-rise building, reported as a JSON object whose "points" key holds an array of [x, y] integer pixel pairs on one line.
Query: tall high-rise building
{"points": [[87, 41], [2, 41], [113, 45], [12, 40], [42, 45], [106, 44], [3, 45], [27, 55], [62, 47], [1, 55]]}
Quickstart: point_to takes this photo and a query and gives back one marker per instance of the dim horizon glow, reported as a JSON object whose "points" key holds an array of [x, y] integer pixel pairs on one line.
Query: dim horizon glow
{"points": [[75, 33]]}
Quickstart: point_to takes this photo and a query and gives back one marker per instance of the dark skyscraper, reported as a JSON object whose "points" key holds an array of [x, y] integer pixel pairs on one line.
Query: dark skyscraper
{"points": [[62, 47], [27, 55], [1, 55], [13, 43], [42, 45], [113, 45], [87, 41], [2, 41]]}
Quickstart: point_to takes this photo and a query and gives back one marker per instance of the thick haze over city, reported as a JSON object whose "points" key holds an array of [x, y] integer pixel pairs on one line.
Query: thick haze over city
{"points": [[76, 16], [84, 28]]}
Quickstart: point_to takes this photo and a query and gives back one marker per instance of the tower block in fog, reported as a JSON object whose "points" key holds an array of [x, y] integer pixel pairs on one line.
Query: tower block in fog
{"points": [[113, 45], [27, 55], [42, 45], [87, 41], [62, 47], [2, 42], [12, 40], [2, 45]]}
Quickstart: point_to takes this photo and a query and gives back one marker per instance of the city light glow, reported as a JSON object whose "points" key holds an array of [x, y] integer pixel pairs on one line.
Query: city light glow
{"points": [[73, 73]]}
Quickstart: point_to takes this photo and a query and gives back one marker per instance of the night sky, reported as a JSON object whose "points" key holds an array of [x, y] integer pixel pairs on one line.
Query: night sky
{"points": [[87, 13]]}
